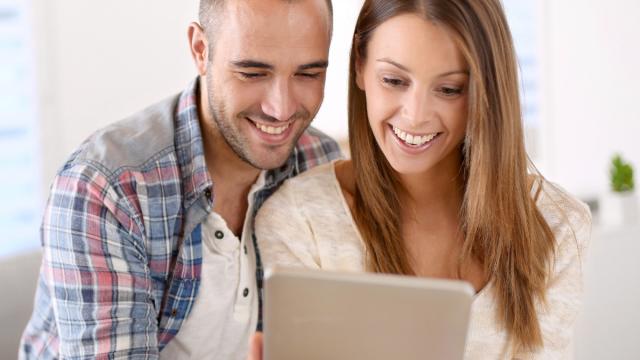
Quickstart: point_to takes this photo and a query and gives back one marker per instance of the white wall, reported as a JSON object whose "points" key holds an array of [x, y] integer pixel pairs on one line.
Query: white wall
{"points": [[101, 61], [332, 117], [592, 106], [592, 97]]}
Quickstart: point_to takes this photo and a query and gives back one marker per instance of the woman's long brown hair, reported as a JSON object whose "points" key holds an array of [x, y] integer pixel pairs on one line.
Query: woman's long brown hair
{"points": [[501, 224]]}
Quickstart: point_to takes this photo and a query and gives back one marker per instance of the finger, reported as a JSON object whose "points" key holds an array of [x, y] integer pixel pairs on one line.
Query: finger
{"points": [[255, 347]]}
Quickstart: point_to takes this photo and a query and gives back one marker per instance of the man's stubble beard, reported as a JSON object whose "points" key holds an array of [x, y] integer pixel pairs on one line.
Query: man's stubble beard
{"points": [[230, 136], [235, 139]]}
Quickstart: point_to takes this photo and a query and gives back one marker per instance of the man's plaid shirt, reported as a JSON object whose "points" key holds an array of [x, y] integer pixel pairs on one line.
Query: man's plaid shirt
{"points": [[121, 235]]}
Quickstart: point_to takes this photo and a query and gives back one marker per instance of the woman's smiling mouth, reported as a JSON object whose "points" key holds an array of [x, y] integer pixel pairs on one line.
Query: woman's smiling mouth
{"points": [[414, 140]]}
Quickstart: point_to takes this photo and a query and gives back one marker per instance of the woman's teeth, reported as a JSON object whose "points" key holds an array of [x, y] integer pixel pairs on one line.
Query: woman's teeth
{"points": [[415, 140], [272, 130]]}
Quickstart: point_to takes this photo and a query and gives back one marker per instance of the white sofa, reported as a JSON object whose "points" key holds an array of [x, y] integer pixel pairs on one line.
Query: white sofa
{"points": [[18, 277]]}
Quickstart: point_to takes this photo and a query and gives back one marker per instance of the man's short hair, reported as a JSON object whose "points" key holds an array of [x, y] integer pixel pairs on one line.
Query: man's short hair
{"points": [[210, 9]]}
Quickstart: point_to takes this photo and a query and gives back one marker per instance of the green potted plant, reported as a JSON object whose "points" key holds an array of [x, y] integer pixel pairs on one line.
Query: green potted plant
{"points": [[621, 174], [620, 206]]}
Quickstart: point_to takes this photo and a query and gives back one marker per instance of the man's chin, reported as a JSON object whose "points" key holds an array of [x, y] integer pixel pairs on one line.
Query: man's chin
{"points": [[265, 156], [269, 159]]}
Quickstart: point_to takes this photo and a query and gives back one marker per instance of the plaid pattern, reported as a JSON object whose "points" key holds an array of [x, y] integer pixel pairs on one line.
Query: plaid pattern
{"points": [[121, 235]]}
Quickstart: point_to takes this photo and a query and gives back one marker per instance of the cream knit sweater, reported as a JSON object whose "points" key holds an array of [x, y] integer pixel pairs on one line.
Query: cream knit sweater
{"points": [[307, 223]]}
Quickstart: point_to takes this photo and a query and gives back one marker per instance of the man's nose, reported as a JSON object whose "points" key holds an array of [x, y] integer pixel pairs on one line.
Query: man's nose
{"points": [[280, 102]]}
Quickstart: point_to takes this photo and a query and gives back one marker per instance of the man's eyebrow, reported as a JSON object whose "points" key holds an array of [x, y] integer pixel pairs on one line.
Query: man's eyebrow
{"points": [[322, 64], [251, 64]]}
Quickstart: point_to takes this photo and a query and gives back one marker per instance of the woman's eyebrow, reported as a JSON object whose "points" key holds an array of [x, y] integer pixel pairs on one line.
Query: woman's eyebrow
{"points": [[404, 68], [399, 66]]}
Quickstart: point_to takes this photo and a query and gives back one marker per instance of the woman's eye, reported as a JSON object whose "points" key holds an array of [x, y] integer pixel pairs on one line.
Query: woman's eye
{"points": [[393, 81], [450, 91]]}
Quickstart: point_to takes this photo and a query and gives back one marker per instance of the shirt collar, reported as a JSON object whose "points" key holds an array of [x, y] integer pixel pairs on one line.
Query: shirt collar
{"points": [[189, 146], [277, 176]]}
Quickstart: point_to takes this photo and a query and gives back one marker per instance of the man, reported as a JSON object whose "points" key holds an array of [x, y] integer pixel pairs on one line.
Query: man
{"points": [[147, 235]]}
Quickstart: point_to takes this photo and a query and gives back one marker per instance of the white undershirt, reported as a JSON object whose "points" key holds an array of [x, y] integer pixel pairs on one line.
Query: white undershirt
{"points": [[225, 312]]}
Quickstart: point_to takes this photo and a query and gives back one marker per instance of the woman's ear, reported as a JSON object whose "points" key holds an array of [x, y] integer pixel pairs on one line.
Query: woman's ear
{"points": [[199, 46], [359, 70]]}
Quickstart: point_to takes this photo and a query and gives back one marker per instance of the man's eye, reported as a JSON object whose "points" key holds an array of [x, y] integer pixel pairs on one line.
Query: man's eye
{"points": [[394, 82], [309, 75], [251, 75]]}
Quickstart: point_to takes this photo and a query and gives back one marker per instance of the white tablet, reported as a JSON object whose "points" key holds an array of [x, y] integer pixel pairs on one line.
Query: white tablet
{"points": [[312, 314]]}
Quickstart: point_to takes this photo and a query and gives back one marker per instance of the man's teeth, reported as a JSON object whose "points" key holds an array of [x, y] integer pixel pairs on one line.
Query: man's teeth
{"points": [[272, 130], [414, 139]]}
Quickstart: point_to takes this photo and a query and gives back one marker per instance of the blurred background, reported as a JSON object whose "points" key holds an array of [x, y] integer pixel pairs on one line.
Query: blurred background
{"points": [[70, 67]]}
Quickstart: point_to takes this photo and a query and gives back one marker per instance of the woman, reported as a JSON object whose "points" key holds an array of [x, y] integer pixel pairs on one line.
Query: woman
{"points": [[440, 184]]}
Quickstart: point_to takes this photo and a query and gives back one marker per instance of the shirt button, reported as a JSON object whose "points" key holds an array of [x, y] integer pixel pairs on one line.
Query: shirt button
{"points": [[245, 293], [219, 234], [207, 193], [174, 312], [245, 249]]}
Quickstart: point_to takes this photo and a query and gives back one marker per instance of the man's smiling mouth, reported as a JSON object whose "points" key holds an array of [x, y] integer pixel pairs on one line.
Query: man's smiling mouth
{"points": [[271, 130]]}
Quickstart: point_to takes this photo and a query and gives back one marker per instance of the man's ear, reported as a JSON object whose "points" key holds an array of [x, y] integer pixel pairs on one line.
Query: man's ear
{"points": [[199, 46]]}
